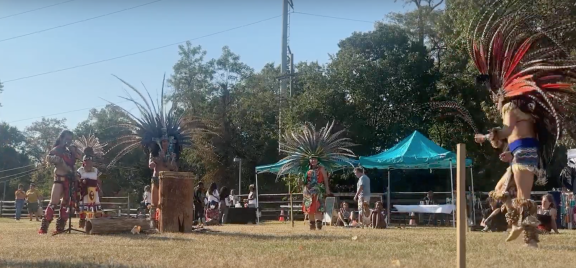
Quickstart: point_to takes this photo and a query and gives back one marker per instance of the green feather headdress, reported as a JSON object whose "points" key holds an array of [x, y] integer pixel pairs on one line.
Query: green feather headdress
{"points": [[328, 148]]}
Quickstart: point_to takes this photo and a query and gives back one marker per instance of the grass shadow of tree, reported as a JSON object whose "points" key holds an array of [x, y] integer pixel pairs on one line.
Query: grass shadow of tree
{"points": [[59, 264], [277, 237]]}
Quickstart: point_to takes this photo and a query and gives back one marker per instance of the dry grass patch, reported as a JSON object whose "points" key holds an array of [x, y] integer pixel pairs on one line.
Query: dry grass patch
{"points": [[276, 245]]}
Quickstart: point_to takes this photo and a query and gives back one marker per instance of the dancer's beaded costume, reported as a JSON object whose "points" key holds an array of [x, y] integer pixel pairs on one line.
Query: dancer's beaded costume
{"points": [[328, 149], [61, 155], [88, 188], [162, 134], [522, 50]]}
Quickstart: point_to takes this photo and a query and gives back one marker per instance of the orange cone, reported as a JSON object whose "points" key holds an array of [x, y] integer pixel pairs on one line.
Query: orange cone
{"points": [[282, 218]]}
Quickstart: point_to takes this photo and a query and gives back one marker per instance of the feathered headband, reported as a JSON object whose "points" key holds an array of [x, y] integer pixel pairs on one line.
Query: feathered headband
{"points": [[90, 146], [328, 148]]}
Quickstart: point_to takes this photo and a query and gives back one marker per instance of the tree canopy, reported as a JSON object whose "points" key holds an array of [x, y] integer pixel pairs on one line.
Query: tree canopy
{"points": [[374, 86]]}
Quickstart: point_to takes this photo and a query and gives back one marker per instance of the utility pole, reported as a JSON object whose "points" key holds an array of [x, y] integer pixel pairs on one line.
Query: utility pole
{"points": [[286, 4]]}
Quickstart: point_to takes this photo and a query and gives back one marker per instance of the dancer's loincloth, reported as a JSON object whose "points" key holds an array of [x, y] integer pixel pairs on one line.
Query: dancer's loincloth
{"points": [[525, 152]]}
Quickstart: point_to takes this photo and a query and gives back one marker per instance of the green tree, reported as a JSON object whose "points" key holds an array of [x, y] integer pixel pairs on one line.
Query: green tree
{"points": [[385, 78], [15, 165]]}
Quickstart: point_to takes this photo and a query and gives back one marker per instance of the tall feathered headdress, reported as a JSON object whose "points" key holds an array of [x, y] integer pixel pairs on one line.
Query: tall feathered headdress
{"points": [[154, 125], [452, 108], [522, 50], [90, 146], [331, 150]]}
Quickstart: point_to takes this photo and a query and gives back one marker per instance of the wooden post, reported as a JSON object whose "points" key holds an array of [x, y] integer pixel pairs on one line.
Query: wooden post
{"points": [[176, 201], [461, 222]]}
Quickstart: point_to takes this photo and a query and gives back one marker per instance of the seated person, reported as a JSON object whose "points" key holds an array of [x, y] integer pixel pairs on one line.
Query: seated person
{"points": [[344, 216], [547, 214], [212, 215], [366, 213], [378, 216], [496, 223], [433, 218]]}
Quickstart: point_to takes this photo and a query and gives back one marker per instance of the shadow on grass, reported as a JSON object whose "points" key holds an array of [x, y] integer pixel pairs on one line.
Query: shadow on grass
{"points": [[152, 237], [59, 264], [276, 237]]}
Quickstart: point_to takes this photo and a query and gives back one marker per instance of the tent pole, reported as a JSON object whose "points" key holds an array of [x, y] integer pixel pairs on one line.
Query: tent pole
{"points": [[291, 203], [257, 201], [388, 201], [452, 192], [473, 195]]}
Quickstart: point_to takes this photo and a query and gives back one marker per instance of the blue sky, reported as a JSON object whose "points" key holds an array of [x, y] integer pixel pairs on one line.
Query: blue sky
{"points": [[164, 22]]}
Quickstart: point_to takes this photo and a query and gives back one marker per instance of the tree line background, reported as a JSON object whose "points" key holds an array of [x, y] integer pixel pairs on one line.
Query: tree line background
{"points": [[374, 86]]}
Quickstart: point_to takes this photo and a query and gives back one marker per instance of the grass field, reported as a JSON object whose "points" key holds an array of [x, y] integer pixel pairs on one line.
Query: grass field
{"points": [[277, 245]]}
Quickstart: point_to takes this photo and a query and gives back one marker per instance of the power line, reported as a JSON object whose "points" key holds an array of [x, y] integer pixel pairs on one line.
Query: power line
{"points": [[72, 111], [15, 168], [32, 10], [331, 17], [80, 21], [26, 173], [140, 52]]}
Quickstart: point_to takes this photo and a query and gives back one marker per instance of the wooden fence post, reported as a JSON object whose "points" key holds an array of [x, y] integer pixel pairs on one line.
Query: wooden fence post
{"points": [[461, 222]]}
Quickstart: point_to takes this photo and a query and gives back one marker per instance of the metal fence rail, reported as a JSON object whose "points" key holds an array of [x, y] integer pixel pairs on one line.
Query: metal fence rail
{"points": [[118, 205]]}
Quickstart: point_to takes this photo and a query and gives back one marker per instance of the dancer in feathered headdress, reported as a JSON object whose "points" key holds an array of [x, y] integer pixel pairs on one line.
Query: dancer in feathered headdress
{"points": [[63, 157], [89, 189], [522, 50], [161, 134], [312, 153]]}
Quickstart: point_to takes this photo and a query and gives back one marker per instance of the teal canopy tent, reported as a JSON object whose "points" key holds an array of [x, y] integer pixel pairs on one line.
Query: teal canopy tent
{"points": [[414, 152]]}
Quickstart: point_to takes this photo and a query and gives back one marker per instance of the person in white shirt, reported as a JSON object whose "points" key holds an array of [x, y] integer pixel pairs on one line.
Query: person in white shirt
{"points": [[212, 213], [252, 197], [147, 198], [232, 198], [363, 192], [89, 191]]}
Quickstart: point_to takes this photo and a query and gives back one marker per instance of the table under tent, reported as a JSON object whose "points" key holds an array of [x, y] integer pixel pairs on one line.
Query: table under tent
{"points": [[275, 168], [416, 152]]}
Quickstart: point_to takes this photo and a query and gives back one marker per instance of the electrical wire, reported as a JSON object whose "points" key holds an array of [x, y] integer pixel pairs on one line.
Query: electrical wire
{"points": [[27, 172], [72, 111], [16, 168], [32, 10], [80, 21], [173, 44], [331, 17], [139, 52]]}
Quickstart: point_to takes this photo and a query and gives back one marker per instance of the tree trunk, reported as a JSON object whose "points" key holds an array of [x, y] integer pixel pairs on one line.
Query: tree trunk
{"points": [[176, 201], [115, 225]]}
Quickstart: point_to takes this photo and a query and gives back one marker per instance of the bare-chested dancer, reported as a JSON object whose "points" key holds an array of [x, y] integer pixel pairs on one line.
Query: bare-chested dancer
{"points": [[528, 69], [63, 156], [160, 160], [161, 132]]}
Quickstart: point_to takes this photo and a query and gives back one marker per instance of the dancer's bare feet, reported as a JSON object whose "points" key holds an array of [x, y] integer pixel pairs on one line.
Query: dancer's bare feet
{"points": [[514, 233], [532, 244]]}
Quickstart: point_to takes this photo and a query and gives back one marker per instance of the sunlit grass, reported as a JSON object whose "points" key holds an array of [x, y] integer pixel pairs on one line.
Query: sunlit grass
{"points": [[277, 245]]}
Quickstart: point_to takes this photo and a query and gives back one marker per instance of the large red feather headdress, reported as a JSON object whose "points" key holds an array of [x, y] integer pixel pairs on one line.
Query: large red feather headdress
{"points": [[523, 50]]}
